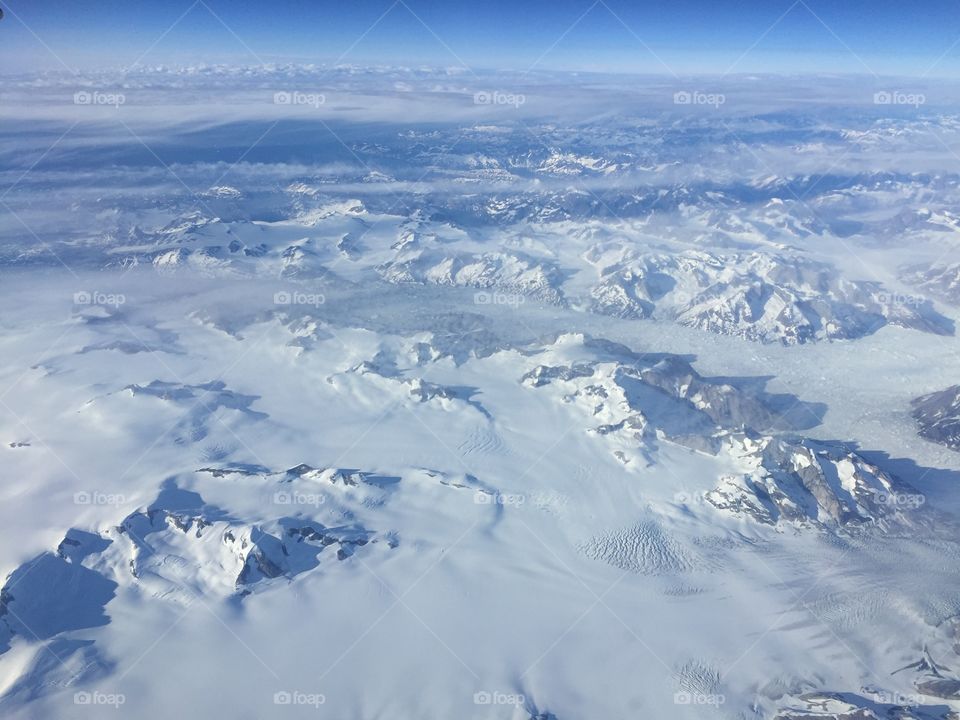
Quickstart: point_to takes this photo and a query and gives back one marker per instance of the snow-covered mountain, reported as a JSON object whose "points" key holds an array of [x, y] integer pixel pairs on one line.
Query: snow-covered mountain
{"points": [[492, 411], [938, 416]]}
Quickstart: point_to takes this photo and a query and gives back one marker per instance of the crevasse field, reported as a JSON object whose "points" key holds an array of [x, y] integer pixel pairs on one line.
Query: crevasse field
{"points": [[380, 392]]}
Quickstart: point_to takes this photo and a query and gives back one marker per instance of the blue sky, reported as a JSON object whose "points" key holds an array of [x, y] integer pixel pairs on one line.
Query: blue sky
{"points": [[683, 36]]}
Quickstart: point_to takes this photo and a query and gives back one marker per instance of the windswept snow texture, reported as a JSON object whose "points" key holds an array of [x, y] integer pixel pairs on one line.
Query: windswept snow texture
{"points": [[402, 404]]}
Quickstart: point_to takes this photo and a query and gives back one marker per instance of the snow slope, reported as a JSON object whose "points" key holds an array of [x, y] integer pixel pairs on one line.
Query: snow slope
{"points": [[475, 415]]}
